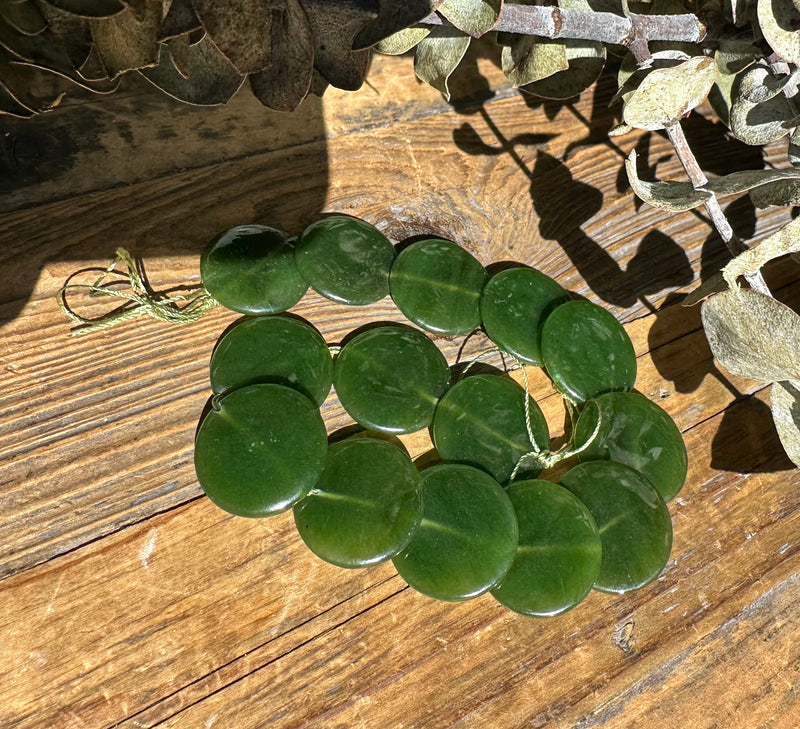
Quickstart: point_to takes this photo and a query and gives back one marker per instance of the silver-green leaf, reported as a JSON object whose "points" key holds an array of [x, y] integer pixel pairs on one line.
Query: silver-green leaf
{"points": [[437, 57], [666, 95], [474, 17], [753, 335], [785, 397]]}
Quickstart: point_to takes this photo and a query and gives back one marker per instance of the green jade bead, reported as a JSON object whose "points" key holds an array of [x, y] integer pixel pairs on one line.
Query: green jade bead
{"points": [[345, 259], [633, 521], [637, 432], [278, 349], [261, 450], [514, 303], [251, 269], [437, 285], [389, 378], [559, 552], [467, 538], [586, 351], [365, 507], [481, 421]]}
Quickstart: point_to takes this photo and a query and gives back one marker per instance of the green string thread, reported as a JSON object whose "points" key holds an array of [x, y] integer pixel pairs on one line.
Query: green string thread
{"points": [[177, 308]]}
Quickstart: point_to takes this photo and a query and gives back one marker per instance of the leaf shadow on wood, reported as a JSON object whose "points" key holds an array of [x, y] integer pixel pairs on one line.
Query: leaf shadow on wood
{"points": [[747, 441], [671, 318], [564, 204], [150, 159]]}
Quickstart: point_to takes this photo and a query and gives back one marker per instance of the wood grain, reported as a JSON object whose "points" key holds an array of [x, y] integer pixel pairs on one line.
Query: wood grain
{"points": [[128, 600]]}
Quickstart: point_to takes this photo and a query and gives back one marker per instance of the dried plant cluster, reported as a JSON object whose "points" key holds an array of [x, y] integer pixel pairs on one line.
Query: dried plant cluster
{"points": [[742, 56]]}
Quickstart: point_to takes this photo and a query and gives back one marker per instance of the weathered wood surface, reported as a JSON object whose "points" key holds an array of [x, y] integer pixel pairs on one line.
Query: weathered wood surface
{"points": [[127, 599]]}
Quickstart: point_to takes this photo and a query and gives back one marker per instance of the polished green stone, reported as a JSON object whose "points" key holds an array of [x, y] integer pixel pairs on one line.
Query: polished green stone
{"points": [[365, 506], [559, 552], [481, 421], [437, 285], [586, 351], [389, 378], [635, 431], [261, 450], [634, 523], [467, 538], [345, 259], [514, 304], [251, 269], [281, 349]]}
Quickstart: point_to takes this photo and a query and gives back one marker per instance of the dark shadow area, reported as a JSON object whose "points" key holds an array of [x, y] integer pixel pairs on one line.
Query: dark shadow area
{"points": [[139, 148], [747, 441], [673, 321], [717, 152], [564, 204]]}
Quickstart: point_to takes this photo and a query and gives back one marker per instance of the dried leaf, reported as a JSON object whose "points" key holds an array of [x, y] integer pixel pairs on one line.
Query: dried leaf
{"points": [[335, 24], [753, 335], [759, 122], [783, 193], [438, 55], [180, 19], [140, 8], [666, 95], [179, 50], [779, 20], [794, 147], [736, 182], [285, 81], [32, 91], [474, 17], [24, 17], [240, 29], [42, 51], [11, 107], [402, 41], [530, 59], [784, 241], [785, 398], [667, 195], [734, 55], [393, 17], [712, 285], [125, 43], [89, 8], [71, 32], [585, 61], [212, 78]]}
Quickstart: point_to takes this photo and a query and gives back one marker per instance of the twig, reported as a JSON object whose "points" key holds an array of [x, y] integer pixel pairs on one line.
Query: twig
{"points": [[553, 22]]}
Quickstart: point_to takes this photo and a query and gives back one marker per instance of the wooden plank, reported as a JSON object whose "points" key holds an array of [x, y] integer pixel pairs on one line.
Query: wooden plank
{"points": [[94, 143], [194, 604], [151, 471]]}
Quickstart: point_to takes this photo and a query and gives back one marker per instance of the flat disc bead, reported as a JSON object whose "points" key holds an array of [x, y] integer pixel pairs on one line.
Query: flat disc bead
{"points": [[280, 349], [481, 421], [635, 431], [467, 538], [261, 451], [390, 378], [365, 506], [559, 552], [437, 285], [345, 259], [514, 304], [251, 269], [634, 523], [586, 351]]}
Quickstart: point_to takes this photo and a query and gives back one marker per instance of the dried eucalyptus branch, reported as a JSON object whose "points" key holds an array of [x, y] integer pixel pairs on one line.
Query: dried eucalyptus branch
{"points": [[558, 23]]}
